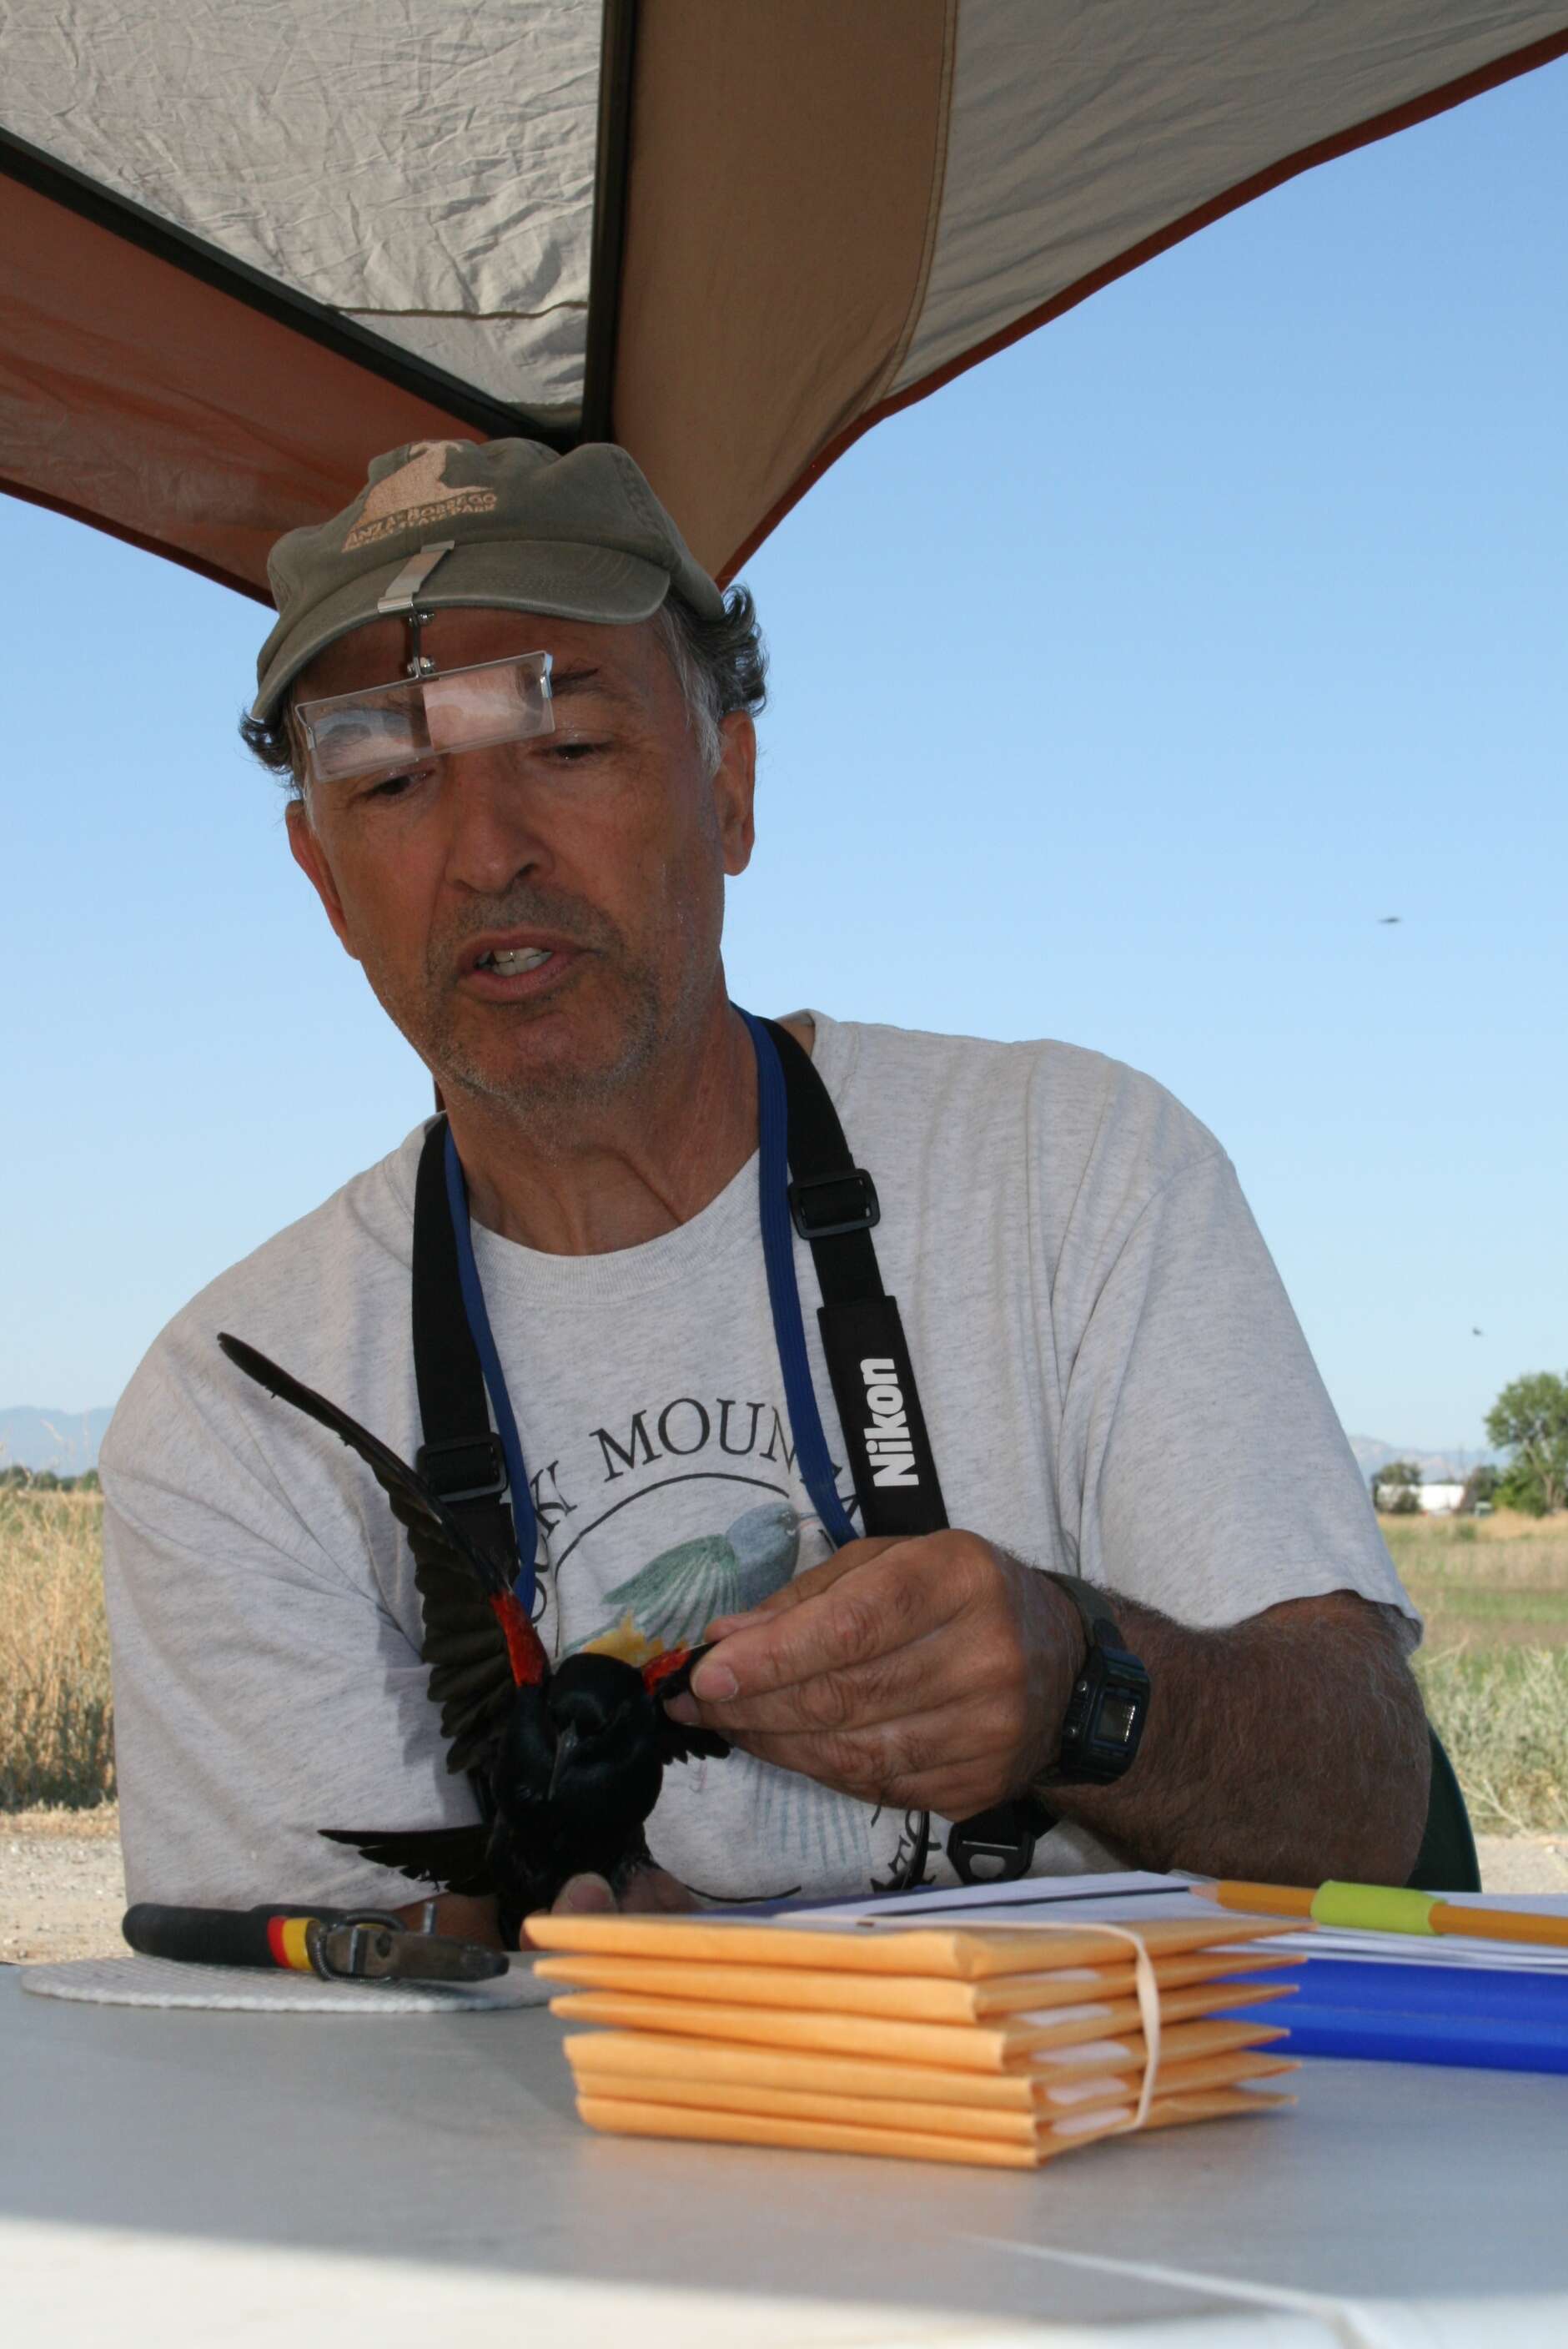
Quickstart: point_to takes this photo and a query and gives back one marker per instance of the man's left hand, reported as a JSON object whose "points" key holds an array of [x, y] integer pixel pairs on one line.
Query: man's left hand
{"points": [[926, 1674]]}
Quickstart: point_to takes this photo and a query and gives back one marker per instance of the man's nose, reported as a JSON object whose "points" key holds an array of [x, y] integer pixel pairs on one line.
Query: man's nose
{"points": [[497, 820]]}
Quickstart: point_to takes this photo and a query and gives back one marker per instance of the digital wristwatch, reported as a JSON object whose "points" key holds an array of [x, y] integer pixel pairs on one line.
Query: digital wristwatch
{"points": [[1103, 1724]]}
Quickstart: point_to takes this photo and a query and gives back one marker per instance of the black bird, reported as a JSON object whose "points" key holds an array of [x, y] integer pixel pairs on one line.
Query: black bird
{"points": [[571, 1759]]}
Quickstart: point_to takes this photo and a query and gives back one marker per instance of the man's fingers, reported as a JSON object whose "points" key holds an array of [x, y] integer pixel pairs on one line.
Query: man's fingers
{"points": [[960, 1747], [870, 1609], [648, 1889], [922, 1676], [583, 1896]]}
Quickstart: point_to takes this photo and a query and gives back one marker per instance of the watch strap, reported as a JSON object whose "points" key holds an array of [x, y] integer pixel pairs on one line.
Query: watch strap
{"points": [[1105, 1650], [1100, 1625]]}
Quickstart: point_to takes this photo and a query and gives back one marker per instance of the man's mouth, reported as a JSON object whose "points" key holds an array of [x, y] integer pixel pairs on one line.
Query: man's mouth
{"points": [[511, 961]]}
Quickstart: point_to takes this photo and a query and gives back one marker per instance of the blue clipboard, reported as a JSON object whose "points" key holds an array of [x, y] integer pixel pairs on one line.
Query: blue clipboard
{"points": [[1504, 2020]]}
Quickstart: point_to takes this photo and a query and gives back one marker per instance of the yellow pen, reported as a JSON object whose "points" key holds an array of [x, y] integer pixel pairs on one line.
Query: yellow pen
{"points": [[1383, 1908]]}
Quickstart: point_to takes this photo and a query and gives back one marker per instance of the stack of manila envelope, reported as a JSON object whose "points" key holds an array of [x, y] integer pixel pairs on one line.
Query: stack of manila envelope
{"points": [[954, 2043]]}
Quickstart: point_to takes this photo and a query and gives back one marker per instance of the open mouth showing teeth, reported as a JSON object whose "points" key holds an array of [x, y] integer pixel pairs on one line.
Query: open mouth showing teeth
{"points": [[511, 961]]}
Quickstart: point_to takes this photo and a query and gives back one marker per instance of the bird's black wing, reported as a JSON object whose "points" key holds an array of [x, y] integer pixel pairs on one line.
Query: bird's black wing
{"points": [[479, 1649], [476, 1639], [456, 1860], [670, 1675]]}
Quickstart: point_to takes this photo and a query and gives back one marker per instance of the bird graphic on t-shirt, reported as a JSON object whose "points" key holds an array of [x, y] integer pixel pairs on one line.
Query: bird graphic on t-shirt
{"points": [[572, 1758], [676, 1595]]}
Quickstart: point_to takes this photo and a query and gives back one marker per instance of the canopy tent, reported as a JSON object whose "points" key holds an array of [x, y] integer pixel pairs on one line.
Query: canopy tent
{"points": [[247, 244]]}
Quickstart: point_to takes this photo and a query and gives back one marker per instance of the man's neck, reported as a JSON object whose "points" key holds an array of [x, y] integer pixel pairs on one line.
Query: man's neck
{"points": [[629, 1172]]}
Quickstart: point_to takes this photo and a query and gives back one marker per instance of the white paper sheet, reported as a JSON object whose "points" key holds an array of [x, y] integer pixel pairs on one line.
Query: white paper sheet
{"points": [[1128, 1896]]}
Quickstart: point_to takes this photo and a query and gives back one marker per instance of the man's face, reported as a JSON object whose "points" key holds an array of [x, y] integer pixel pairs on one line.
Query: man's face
{"points": [[601, 846]]}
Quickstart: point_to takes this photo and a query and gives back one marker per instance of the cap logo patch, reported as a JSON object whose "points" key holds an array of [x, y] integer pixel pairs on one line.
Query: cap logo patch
{"points": [[414, 495]]}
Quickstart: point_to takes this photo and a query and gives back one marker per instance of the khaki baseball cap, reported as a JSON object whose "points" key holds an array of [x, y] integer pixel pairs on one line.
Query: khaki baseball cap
{"points": [[581, 536]]}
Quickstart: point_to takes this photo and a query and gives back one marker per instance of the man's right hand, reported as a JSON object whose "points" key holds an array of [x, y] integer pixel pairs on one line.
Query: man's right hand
{"points": [[651, 1891], [461, 1916]]}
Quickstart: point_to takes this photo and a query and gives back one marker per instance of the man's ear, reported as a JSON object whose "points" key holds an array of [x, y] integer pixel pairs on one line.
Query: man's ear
{"points": [[310, 858], [735, 789]]}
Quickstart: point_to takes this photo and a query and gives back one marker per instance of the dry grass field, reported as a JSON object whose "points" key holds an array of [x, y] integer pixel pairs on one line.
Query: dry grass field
{"points": [[55, 1742], [1494, 1668]]}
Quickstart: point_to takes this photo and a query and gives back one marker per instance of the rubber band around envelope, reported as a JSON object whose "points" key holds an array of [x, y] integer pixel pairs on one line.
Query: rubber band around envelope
{"points": [[1146, 1984]]}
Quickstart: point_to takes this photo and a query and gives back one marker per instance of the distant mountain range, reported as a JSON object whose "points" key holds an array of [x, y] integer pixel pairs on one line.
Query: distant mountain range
{"points": [[66, 1441], [1436, 1467]]}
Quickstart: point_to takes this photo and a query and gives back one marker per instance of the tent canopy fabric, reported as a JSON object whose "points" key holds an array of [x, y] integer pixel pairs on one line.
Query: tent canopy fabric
{"points": [[249, 243]]}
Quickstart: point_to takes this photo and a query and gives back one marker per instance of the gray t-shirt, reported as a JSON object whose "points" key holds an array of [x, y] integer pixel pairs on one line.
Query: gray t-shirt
{"points": [[1113, 1379]]}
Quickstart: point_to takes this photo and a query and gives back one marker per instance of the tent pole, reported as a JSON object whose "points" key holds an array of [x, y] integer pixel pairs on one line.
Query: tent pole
{"points": [[617, 55]]}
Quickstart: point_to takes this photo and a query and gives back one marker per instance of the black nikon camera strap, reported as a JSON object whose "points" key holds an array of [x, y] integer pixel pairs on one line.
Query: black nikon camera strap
{"points": [[460, 1458], [833, 1204]]}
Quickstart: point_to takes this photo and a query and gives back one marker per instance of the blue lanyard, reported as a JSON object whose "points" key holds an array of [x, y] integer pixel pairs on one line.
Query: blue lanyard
{"points": [[811, 1451], [472, 1287], [812, 1456]]}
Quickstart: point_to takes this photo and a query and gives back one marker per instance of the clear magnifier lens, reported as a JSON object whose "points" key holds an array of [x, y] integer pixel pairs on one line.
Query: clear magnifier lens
{"points": [[390, 727], [497, 701]]}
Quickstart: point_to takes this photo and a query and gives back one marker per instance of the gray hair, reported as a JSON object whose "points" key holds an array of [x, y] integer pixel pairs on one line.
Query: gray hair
{"points": [[721, 666]]}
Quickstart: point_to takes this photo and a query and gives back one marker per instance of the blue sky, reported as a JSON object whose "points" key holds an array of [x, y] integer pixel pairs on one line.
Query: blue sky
{"points": [[1118, 691]]}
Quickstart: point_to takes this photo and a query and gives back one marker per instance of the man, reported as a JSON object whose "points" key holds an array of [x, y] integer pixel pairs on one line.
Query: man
{"points": [[1113, 1382]]}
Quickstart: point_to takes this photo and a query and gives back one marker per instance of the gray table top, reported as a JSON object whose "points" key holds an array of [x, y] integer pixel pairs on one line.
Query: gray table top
{"points": [[452, 2140]]}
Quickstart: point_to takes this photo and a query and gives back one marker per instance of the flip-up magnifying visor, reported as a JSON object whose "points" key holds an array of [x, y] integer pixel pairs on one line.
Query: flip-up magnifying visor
{"points": [[383, 730]]}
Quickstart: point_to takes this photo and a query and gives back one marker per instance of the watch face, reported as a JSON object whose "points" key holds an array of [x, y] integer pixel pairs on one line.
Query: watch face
{"points": [[1117, 1719], [1103, 1725]]}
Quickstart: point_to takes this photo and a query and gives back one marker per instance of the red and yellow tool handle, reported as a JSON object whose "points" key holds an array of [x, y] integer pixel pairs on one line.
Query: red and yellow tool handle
{"points": [[230, 1937]]}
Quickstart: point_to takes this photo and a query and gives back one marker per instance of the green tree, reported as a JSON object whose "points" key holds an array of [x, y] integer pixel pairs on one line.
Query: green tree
{"points": [[1481, 1485], [1530, 1419], [1395, 1488]]}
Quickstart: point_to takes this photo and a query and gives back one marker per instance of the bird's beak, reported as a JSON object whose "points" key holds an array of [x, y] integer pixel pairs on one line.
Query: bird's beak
{"points": [[566, 1743]]}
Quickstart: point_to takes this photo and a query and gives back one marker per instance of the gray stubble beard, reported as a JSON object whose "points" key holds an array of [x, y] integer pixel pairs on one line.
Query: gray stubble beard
{"points": [[547, 1092], [546, 1095]]}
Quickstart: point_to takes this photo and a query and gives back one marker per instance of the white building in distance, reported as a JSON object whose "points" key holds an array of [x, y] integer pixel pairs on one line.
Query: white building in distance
{"points": [[1432, 1500]]}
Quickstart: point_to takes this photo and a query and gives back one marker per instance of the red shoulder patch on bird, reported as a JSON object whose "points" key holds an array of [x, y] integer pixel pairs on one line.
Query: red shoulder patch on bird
{"points": [[525, 1648], [674, 1664]]}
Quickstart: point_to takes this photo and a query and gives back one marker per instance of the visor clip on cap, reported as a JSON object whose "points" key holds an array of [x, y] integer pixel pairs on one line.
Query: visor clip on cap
{"points": [[400, 595]]}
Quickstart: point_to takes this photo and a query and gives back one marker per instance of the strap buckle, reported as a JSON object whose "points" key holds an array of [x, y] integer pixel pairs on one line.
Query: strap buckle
{"points": [[997, 1846], [844, 1202], [464, 1468]]}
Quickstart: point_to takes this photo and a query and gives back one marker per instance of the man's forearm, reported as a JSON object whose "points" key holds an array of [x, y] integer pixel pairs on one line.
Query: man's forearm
{"points": [[932, 1674], [1287, 1749]]}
